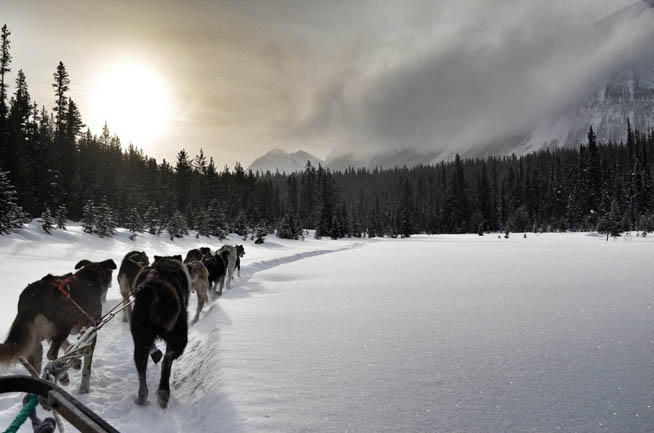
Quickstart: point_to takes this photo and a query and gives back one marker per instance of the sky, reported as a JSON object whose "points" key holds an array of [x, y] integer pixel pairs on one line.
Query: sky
{"points": [[238, 78]]}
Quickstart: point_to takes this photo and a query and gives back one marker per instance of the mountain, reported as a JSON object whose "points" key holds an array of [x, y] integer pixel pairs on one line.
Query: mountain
{"points": [[284, 162], [384, 160], [628, 95]]}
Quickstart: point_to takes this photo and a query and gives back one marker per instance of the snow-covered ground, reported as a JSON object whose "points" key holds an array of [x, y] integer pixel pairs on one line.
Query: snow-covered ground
{"points": [[429, 334]]}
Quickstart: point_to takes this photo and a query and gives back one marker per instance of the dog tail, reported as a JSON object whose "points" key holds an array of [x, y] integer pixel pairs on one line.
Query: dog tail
{"points": [[20, 338], [164, 303]]}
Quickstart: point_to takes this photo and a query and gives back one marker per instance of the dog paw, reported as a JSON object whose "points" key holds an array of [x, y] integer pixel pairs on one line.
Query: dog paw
{"points": [[64, 379], [142, 402], [156, 356], [162, 398]]}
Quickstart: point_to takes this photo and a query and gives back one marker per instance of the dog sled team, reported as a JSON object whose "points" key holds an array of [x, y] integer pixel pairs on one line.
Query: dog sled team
{"points": [[155, 299]]}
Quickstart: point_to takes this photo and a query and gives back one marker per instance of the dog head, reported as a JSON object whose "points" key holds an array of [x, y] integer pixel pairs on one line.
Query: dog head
{"points": [[139, 257], [176, 257], [240, 250], [98, 271]]}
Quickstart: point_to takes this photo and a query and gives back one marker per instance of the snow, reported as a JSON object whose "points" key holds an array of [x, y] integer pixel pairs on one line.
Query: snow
{"points": [[429, 334]]}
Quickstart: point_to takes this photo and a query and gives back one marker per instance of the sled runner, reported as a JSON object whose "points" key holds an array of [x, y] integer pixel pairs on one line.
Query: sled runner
{"points": [[55, 398]]}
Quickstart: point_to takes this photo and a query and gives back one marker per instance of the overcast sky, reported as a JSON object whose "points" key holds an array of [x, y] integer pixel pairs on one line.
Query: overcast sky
{"points": [[247, 76]]}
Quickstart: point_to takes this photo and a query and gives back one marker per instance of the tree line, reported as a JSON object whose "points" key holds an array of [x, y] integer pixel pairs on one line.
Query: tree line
{"points": [[54, 168]]}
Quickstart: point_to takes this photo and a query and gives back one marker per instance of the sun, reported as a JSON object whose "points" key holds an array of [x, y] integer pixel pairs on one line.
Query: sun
{"points": [[134, 100]]}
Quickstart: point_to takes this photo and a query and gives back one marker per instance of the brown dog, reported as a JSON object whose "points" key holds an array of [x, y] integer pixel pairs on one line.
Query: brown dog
{"points": [[199, 284], [46, 312]]}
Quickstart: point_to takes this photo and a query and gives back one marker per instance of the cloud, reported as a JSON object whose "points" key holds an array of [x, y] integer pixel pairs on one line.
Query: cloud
{"points": [[470, 77]]}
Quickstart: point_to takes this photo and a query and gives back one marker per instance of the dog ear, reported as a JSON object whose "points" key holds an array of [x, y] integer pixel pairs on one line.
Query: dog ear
{"points": [[109, 264], [177, 257], [82, 263]]}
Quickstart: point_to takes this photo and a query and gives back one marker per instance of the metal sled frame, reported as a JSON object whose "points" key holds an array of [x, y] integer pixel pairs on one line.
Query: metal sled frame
{"points": [[81, 417]]}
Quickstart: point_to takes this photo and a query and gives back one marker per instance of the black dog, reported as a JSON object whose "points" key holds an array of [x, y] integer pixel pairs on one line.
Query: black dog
{"points": [[162, 292]]}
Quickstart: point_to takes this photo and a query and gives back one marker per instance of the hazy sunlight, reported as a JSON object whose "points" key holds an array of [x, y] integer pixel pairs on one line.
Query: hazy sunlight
{"points": [[134, 100]]}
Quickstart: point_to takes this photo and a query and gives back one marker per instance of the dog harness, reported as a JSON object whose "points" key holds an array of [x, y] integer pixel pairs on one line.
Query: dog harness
{"points": [[62, 285]]}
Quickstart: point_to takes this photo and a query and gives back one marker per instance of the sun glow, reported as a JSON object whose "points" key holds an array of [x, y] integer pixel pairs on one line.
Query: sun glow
{"points": [[134, 100]]}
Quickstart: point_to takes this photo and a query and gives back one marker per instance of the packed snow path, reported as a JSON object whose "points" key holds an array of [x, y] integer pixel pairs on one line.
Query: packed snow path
{"points": [[431, 334]]}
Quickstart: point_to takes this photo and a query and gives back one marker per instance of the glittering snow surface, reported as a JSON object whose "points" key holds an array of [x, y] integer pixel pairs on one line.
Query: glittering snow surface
{"points": [[429, 334]]}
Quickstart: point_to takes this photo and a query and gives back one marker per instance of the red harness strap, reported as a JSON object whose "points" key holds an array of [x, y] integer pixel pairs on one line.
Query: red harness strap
{"points": [[62, 283]]}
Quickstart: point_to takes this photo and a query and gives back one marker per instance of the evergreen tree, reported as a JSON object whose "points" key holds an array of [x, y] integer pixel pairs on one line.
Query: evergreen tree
{"points": [[519, 221], [5, 60], [152, 221], [646, 223], [240, 225], [135, 223], [60, 217], [183, 171], [47, 222], [289, 228], [611, 222], [260, 234], [105, 225], [216, 220], [11, 213], [177, 227], [61, 86], [89, 217], [202, 222]]}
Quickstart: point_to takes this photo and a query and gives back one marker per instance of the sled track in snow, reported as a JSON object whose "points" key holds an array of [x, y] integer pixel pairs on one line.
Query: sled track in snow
{"points": [[264, 265]]}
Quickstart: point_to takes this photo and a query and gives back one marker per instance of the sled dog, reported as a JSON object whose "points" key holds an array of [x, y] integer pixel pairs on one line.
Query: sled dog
{"points": [[216, 267], [160, 312], [230, 254], [199, 284], [46, 313], [131, 265]]}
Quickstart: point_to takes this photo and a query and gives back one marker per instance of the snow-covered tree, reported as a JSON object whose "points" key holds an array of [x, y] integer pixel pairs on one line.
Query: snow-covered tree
{"points": [[216, 220], [202, 225], [611, 222], [105, 226], [11, 214], [646, 223], [289, 228], [134, 223], [47, 222], [152, 221], [60, 216], [260, 234], [240, 225], [177, 227], [89, 217]]}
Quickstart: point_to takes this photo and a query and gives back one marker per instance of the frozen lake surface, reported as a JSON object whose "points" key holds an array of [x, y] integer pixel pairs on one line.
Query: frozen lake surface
{"points": [[428, 334]]}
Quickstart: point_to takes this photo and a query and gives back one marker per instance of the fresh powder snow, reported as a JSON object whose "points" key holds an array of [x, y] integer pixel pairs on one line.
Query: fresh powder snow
{"points": [[429, 334]]}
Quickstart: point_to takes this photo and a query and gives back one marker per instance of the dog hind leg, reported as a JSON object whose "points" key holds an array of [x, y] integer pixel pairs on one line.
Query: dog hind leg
{"points": [[175, 345], [143, 341], [201, 300]]}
